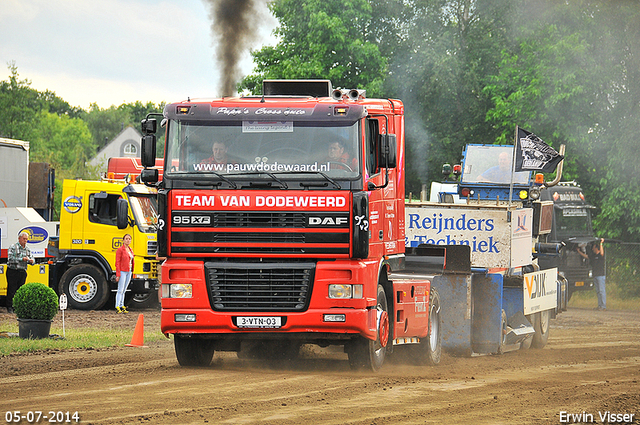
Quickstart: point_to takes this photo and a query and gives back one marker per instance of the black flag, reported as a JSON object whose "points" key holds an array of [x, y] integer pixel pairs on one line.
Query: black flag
{"points": [[533, 154]]}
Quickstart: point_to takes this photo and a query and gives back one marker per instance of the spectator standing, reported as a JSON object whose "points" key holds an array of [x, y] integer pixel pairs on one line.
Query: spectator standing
{"points": [[19, 255], [597, 261], [124, 270]]}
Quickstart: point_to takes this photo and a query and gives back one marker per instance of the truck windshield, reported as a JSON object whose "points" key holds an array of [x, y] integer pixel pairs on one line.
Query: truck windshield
{"points": [[491, 164], [283, 147], [145, 211], [573, 222]]}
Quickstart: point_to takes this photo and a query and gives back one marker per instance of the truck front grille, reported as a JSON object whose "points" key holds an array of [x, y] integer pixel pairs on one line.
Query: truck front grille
{"points": [[152, 248], [277, 287], [576, 274], [261, 233], [259, 219]]}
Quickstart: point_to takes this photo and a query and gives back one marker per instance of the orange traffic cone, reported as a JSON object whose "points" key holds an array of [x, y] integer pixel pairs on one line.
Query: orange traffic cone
{"points": [[138, 334]]}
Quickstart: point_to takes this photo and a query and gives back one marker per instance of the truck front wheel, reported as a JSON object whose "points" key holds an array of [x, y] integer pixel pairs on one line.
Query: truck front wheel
{"points": [[193, 351], [365, 353], [85, 286]]}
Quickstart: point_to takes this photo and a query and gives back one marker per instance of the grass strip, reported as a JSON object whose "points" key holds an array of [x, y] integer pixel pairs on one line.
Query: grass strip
{"points": [[85, 338]]}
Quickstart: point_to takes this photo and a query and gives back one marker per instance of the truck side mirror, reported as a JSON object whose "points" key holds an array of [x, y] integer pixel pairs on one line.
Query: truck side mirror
{"points": [[148, 155], [387, 146], [149, 175], [149, 126], [122, 214]]}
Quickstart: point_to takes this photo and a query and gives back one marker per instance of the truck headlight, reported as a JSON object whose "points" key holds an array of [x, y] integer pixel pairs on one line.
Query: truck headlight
{"points": [[345, 291], [177, 290]]}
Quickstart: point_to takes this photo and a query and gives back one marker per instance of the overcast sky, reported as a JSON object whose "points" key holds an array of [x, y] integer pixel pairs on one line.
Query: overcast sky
{"points": [[114, 51]]}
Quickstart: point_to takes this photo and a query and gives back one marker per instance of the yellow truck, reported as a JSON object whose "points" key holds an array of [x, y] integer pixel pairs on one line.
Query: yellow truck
{"points": [[94, 217], [77, 255]]}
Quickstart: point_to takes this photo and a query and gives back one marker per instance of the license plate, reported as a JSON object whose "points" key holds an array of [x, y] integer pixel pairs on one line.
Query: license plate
{"points": [[579, 283], [259, 322]]}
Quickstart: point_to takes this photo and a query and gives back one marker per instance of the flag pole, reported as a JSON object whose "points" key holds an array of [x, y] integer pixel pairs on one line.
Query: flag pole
{"points": [[513, 164]]}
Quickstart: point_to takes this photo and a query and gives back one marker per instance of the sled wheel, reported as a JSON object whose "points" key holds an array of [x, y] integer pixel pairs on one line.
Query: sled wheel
{"points": [[541, 326]]}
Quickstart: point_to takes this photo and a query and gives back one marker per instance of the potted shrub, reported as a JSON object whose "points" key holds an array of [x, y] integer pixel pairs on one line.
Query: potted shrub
{"points": [[35, 305]]}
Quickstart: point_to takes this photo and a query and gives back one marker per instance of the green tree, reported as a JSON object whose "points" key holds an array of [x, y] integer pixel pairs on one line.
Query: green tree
{"points": [[329, 39], [20, 106], [106, 124], [573, 77], [62, 141], [443, 54]]}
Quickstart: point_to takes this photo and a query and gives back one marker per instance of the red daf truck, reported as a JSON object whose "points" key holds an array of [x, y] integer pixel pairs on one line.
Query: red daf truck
{"points": [[282, 219]]}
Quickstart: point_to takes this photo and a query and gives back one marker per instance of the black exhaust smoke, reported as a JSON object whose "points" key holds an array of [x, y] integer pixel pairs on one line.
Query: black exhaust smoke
{"points": [[234, 26]]}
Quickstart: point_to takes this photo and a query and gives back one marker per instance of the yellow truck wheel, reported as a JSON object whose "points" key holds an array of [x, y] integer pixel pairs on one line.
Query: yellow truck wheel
{"points": [[142, 300], [85, 286]]}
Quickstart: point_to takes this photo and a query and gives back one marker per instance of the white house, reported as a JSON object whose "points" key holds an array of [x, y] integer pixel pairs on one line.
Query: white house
{"points": [[127, 144]]}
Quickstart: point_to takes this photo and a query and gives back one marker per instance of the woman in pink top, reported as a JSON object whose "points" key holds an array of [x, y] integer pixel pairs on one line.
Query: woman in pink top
{"points": [[124, 270]]}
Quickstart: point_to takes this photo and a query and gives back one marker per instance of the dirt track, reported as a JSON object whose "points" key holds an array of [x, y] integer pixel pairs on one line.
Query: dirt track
{"points": [[591, 364]]}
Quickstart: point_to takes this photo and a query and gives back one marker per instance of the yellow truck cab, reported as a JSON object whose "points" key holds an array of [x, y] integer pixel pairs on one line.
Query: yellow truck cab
{"points": [[94, 217]]}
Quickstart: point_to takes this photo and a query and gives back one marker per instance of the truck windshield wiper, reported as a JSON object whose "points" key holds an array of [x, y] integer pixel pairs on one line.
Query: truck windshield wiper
{"points": [[221, 177], [282, 182], [311, 184], [258, 173]]}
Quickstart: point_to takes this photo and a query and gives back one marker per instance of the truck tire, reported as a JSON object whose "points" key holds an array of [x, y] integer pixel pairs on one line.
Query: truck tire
{"points": [[541, 326], [193, 351], [142, 300], [429, 350], [367, 354], [85, 286]]}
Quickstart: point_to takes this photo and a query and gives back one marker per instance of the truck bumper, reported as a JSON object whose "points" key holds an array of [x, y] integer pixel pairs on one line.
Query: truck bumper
{"points": [[336, 318], [310, 325]]}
